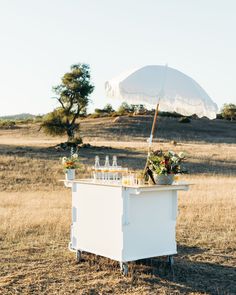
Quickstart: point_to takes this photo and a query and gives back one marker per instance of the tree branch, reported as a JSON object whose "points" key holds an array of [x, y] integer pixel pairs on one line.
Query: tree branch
{"points": [[62, 104], [76, 115]]}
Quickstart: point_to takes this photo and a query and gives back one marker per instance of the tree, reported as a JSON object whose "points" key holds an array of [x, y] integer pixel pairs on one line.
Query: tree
{"points": [[229, 111], [138, 109], [108, 108], [124, 108], [73, 97], [133, 108]]}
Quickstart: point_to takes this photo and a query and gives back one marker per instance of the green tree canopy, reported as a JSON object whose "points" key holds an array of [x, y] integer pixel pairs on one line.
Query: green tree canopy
{"points": [[108, 108], [133, 108], [124, 108], [229, 111], [73, 97]]}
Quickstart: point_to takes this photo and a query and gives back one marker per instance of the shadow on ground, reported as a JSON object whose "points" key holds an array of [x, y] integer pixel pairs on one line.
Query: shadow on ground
{"points": [[127, 157], [139, 127], [186, 276], [55, 271]]}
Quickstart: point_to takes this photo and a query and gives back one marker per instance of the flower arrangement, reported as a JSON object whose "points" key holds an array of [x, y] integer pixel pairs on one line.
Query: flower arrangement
{"points": [[165, 163], [71, 162]]}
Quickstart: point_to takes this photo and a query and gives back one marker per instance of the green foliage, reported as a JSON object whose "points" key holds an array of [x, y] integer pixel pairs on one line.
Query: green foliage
{"points": [[106, 111], [71, 162], [219, 116], [139, 109], [169, 114], [136, 109], [73, 96], [164, 163], [108, 108], [13, 120], [54, 123], [229, 111], [114, 114], [95, 115], [38, 119], [25, 121], [98, 111], [7, 124], [74, 90], [124, 108], [184, 120], [22, 116]]}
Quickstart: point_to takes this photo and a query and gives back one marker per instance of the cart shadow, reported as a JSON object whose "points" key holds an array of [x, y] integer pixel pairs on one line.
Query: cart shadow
{"points": [[190, 274], [187, 275]]}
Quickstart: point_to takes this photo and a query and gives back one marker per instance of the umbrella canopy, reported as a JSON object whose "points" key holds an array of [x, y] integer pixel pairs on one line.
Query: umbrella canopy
{"points": [[171, 89]]}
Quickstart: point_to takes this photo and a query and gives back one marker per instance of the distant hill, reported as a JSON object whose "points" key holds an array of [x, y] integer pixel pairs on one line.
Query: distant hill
{"points": [[23, 116]]}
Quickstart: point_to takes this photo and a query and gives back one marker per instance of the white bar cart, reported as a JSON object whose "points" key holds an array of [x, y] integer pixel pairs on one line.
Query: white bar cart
{"points": [[124, 223]]}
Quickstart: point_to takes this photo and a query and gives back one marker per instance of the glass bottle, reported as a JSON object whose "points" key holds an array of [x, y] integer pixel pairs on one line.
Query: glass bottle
{"points": [[106, 169], [107, 164], [96, 168], [97, 164], [114, 162], [114, 168]]}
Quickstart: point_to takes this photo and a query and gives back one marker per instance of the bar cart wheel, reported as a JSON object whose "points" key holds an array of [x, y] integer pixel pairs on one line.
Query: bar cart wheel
{"points": [[170, 260], [78, 256], [124, 268]]}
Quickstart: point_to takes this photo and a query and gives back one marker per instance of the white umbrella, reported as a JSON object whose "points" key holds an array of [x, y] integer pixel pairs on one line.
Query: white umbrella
{"points": [[167, 88], [175, 91]]}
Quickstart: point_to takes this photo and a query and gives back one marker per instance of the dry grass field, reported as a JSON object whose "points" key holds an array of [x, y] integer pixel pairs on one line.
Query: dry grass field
{"points": [[35, 211]]}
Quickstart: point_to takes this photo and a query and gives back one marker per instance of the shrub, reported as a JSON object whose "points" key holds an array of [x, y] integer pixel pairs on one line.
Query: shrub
{"points": [[98, 111], [95, 115], [184, 120], [7, 124], [219, 116], [108, 109], [124, 108], [38, 119], [139, 109], [228, 111], [169, 114], [115, 114], [54, 123]]}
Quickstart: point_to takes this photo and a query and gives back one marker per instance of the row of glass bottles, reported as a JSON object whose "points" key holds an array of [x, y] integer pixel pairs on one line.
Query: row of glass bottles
{"points": [[107, 163], [107, 173]]}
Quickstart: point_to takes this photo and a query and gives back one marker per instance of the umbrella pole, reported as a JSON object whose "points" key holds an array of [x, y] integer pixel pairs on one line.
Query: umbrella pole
{"points": [[151, 136]]}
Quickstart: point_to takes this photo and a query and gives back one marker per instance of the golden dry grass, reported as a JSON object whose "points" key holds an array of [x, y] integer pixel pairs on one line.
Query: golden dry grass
{"points": [[35, 223]]}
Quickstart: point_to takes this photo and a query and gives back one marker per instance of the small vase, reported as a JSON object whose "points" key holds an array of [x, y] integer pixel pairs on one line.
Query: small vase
{"points": [[70, 174], [164, 179]]}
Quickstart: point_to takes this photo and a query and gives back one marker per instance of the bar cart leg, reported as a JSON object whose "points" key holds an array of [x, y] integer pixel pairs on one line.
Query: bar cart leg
{"points": [[124, 268], [78, 256]]}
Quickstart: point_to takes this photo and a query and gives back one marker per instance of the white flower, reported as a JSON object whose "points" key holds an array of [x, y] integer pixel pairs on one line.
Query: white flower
{"points": [[174, 159], [182, 155], [64, 159], [75, 156]]}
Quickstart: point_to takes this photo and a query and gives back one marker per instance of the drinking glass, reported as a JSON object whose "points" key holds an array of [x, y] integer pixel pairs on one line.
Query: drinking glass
{"points": [[96, 168]]}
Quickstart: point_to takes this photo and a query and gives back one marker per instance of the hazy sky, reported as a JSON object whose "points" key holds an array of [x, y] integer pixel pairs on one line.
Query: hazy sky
{"points": [[41, 39]]}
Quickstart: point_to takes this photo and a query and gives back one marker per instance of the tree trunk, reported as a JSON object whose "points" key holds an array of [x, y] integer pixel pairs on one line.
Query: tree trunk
{"points": [[70, 133]]}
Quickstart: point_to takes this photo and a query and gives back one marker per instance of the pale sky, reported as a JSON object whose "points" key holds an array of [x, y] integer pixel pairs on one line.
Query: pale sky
{"points": [[41, 39]]}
